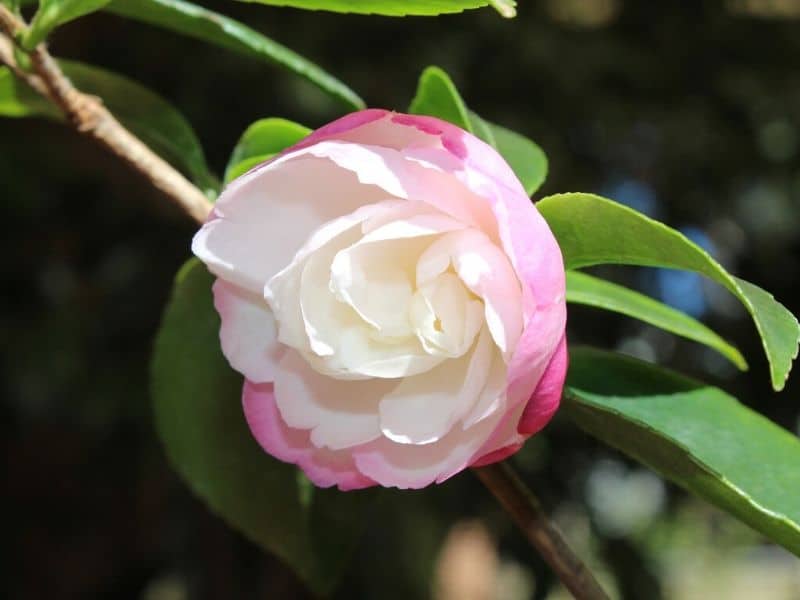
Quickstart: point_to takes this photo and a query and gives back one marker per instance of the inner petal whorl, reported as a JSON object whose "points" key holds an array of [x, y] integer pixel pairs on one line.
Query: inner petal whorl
{"points": [[446, 316]]}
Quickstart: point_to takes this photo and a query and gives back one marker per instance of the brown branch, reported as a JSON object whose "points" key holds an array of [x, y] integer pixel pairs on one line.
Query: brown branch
{"points": [[89, 117], [541, 532]]}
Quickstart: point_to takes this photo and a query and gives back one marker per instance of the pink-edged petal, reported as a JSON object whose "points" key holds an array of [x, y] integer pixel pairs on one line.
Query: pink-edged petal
{"points": [[422, 409], [263, 218], [247, 334], [421, 180], [323, 467], [545, 400], [524, 236], [412, 467], [525, 419], [338, 413], [498, 455]]}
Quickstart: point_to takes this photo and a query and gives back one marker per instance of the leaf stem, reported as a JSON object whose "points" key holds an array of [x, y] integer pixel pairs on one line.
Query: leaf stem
{"points": [[542, 533], [89, 117]]}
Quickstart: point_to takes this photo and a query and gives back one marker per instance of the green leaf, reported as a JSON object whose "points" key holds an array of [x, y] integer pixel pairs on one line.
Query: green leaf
{"points": [[392, 8], [592, 291], [203, 24], [156, 122], [260, 141], [199, 417], [13, 5], [693, 434], [437, 96], [593, 230], [524, 156], [53, 13]]}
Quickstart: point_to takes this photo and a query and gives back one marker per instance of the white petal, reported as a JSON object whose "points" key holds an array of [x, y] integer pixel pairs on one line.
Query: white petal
{"points": [[493, 395], [375, 275], [332, 337], [487, 272], [247, 334], [446, 316], [264, 217], [422, 409], [282, 291], [340, 414]]}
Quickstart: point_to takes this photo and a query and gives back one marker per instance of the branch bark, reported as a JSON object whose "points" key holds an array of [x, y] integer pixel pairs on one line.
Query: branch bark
{"points": [[541, 532], [89, 117]]}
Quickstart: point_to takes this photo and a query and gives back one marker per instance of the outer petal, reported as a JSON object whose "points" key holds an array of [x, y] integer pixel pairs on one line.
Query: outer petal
{"points": [[524, 236], [408, 466], [262, 218], [323, 467], [545, 400], [339, 414], [248, 334], [424, 181], [527, 419]]}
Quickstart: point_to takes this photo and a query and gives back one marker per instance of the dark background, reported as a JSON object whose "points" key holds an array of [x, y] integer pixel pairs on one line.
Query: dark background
{"points": [[687, 111]]}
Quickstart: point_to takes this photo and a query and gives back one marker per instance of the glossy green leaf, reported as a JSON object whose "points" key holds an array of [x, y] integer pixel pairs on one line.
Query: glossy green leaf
{"points": [[593, 230], [199, 417], [693, 434], [392, 8], [53, 13], [260, 141], [524, 156], [156, 122], [203, 24], [437, 96], [592, 291]]}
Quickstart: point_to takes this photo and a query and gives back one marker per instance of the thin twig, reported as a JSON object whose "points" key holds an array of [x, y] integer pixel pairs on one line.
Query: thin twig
{"points": [[541, 532], [88, 116]]}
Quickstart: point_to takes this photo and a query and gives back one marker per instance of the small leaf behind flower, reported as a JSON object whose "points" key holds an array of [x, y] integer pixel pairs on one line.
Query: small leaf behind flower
{"points": [[260, 141], [199, 417], [693, 434], [437, 96]]}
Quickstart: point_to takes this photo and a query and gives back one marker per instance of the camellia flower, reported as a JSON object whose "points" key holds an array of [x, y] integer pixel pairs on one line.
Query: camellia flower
{"points": [[393, 299]]}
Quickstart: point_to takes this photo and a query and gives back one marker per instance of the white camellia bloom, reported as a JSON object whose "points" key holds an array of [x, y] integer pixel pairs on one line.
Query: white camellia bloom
{"points": [[393, 299]]}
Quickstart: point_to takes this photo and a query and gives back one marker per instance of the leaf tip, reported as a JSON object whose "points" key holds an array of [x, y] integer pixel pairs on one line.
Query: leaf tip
{"points": [[506, 8]]}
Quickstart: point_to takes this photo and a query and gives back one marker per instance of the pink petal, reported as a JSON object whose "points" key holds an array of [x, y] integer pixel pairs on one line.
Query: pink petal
{"points": [[545, 400], [412, 467], [526, 419], [323, 467]]}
